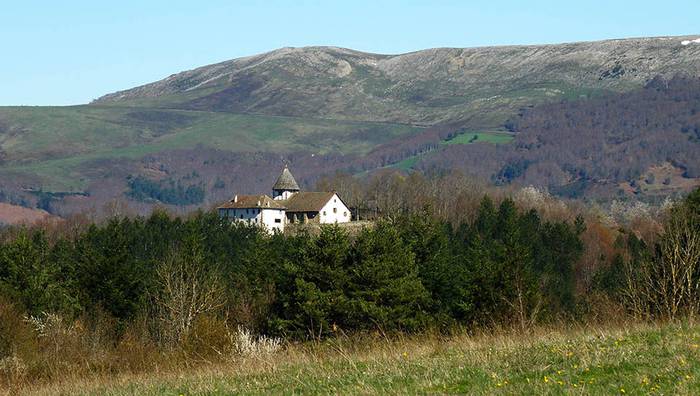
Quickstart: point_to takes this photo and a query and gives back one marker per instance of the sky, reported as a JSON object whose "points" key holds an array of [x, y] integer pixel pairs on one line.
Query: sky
{"points": [[71, 52]]}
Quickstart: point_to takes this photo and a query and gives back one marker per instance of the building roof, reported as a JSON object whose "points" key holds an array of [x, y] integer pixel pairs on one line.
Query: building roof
{"points": [[307, 201], [252, 202], [286, 181]]}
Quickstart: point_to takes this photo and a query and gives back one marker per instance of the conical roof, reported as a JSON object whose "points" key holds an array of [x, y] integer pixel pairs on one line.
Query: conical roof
{"points": [[286, 181]]}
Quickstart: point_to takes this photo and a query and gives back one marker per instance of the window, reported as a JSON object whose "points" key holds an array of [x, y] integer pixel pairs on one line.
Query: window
{"points": [[278, 220], [241, 215], [335, 210], [345, 214], [335, 200], [324, 212]]}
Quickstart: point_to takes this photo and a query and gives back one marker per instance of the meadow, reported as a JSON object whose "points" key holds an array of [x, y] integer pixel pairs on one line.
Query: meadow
{"points": [[58, 144], [494, 137], [625, 359], [491, 137]]}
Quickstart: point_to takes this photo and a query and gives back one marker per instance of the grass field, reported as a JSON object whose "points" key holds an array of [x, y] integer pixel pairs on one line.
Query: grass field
{"points": [[481, 137], [638, 359], [407, 163], [464, 138], [58, 132], [54, 143]]}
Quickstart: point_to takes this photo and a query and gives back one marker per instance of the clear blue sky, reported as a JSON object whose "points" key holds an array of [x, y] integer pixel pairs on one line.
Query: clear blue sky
{"points": [[69, 52]]}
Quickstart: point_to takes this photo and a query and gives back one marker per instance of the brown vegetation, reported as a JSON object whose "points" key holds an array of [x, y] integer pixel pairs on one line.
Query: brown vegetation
{"points": [[13, 214]]}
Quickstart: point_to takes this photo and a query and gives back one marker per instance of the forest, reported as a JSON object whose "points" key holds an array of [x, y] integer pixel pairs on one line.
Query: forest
{"points": [[573, 146], [130, 293]]}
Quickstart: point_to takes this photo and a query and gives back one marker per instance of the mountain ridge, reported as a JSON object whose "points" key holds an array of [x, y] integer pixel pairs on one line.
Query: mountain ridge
{"points": [[426, 87]]}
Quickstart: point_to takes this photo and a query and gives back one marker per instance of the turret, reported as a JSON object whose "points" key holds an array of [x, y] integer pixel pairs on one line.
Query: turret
{"points": [[285, 186]]}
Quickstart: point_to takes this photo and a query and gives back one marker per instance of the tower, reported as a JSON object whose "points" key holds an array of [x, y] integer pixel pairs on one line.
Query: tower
{"points": [[285, 185]]}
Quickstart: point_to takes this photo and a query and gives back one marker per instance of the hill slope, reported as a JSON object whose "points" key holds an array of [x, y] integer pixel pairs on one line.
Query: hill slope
{"points": [[223, 127], [427, 87]]}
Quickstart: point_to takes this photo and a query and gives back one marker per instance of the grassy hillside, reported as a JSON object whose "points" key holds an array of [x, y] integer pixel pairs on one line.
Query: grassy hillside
{"points": [[640, 359], [358, 111], [56, 143], [491, 137], [428, 87], [481, 137]]}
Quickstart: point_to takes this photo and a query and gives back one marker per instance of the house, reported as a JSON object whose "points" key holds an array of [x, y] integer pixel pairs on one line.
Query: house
{"points": [[288, 205], [255, 209]]}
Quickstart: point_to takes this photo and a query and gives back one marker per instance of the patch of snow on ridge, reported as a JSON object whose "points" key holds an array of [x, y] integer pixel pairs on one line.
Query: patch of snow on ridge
{"points": [[686, 42]]}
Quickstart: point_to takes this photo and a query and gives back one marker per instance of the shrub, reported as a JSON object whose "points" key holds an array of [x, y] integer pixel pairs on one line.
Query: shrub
{"points": [[244, 343]]}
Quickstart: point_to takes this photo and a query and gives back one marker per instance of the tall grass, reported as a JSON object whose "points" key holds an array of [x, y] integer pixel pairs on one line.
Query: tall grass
{"points": [[629, 358]]}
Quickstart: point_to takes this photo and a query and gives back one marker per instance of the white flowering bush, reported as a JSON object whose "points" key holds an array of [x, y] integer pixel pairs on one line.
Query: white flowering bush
{"points": [[624, 213], [531, 197]]}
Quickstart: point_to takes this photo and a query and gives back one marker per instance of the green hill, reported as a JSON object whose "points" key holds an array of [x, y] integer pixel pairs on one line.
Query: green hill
{"points": [[56, 144], [321, 108]]}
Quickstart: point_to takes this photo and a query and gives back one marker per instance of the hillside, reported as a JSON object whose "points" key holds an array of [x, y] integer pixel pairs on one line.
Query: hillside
{"points": [[13, 214], [426, 87], [227, 127], [647, 139]]}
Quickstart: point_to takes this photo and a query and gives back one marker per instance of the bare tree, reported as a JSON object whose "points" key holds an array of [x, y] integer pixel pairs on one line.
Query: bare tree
{"points": [[680, 257], [667, 284], [189, 287]]}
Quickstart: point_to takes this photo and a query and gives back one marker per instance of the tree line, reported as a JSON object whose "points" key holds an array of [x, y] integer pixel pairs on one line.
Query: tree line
{"points": [[165, 284], [403, 273]]}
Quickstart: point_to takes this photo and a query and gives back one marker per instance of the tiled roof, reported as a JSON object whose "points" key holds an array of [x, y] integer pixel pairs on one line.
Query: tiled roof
{"points": [[252, 201], [307, 201], [286, 181]]}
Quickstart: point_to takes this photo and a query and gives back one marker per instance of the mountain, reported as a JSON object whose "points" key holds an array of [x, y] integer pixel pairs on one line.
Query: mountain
{"points": [[425, 87], [198, 136]]}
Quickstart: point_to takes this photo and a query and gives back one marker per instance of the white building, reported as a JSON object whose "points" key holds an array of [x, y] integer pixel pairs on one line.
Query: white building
{"points": [[255, 209], [287, 205]]}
